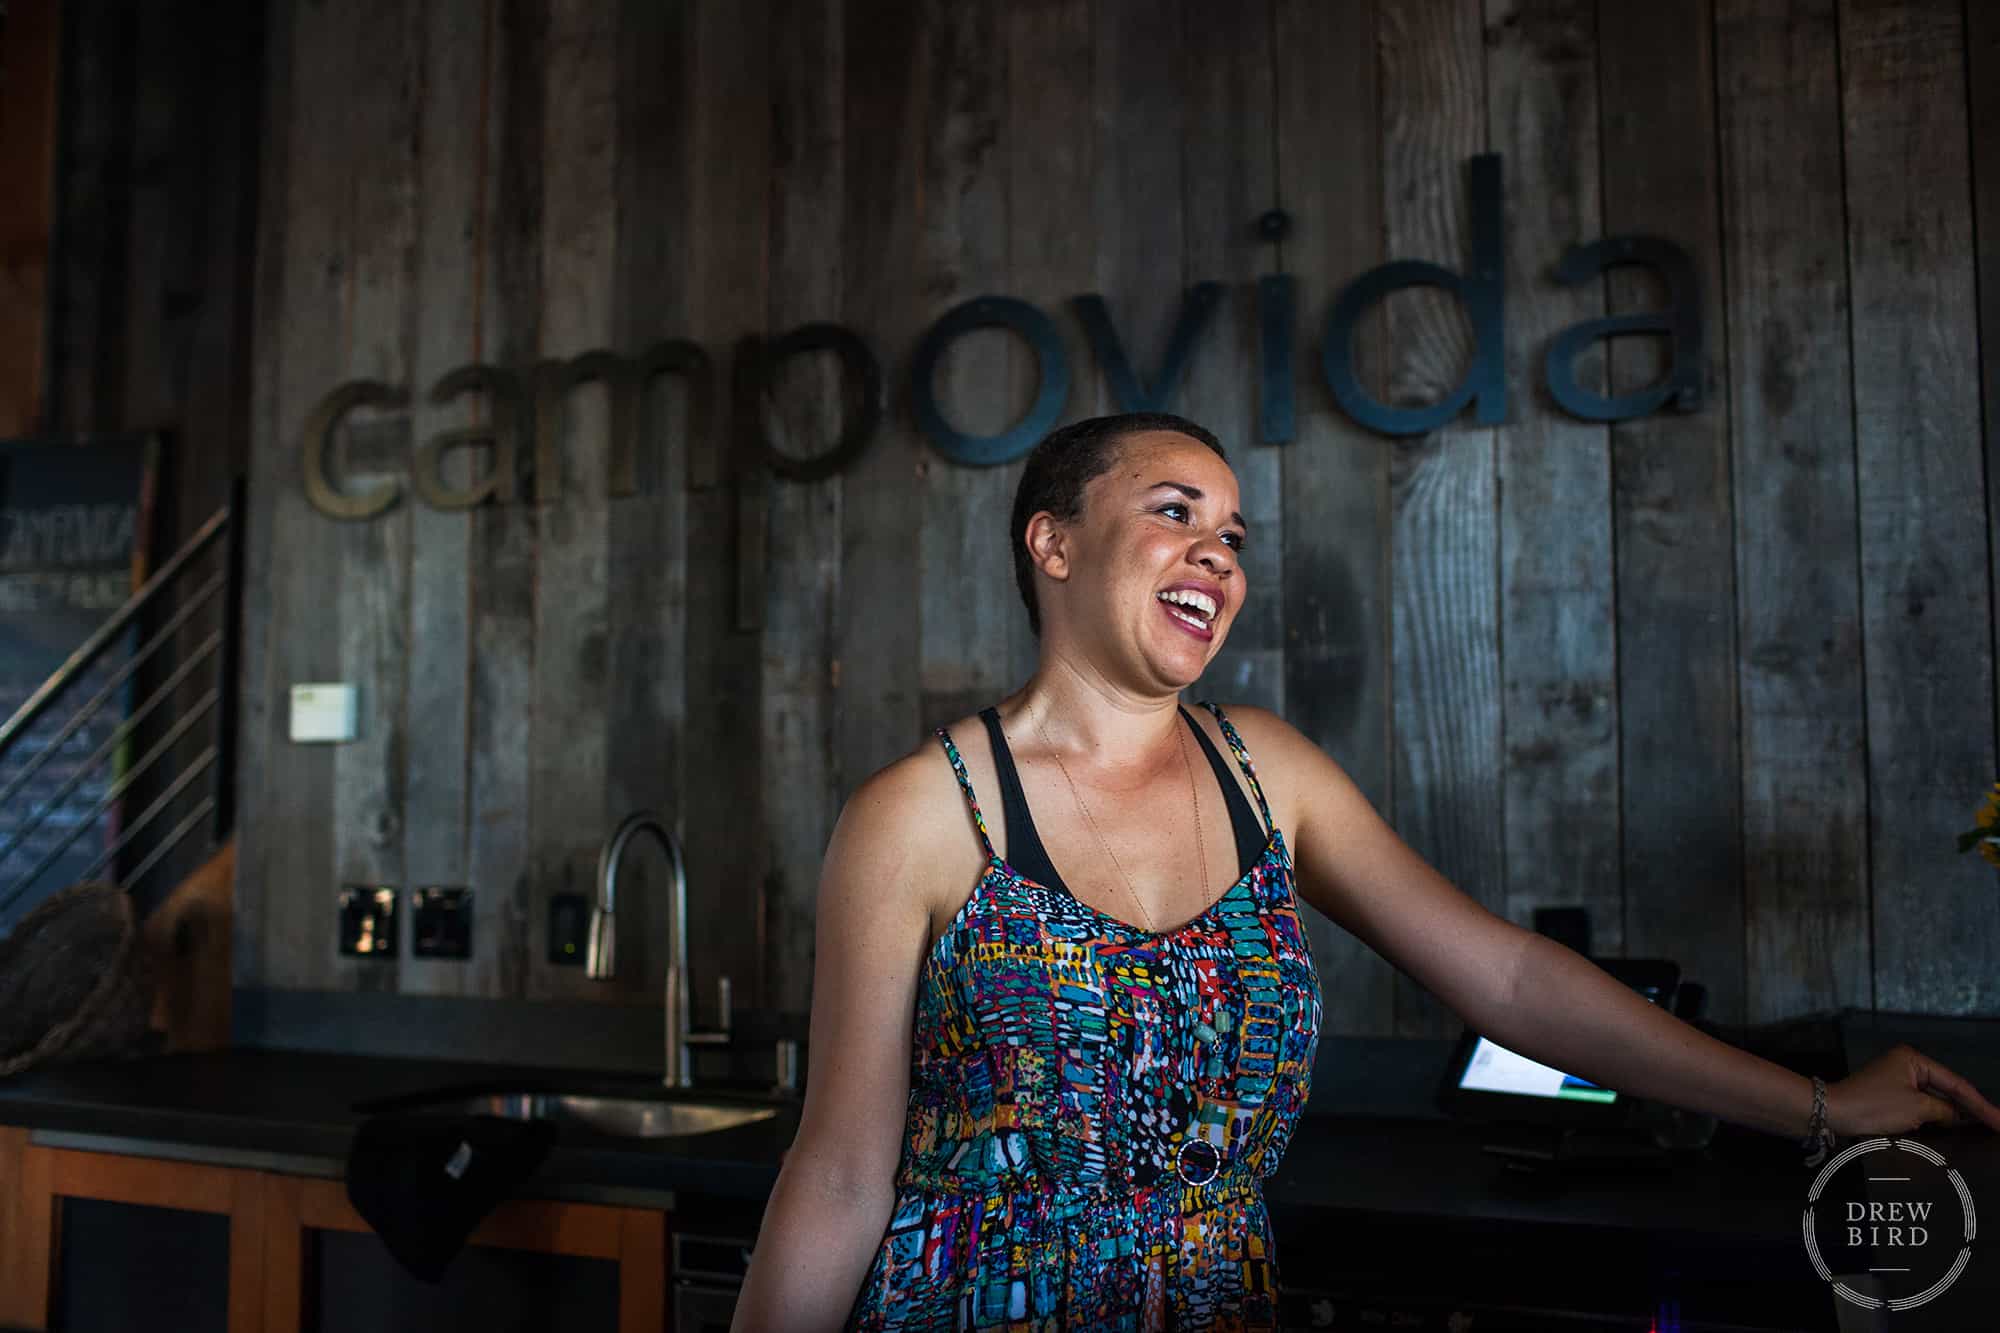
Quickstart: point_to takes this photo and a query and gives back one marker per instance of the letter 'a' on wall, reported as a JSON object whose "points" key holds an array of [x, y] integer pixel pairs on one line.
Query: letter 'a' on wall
{"points": [[501, 435], [1483, 292], [1681, 322], [1051, 364]]}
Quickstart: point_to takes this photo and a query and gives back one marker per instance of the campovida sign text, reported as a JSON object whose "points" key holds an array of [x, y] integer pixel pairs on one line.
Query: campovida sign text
{"points": [[533, 403]]}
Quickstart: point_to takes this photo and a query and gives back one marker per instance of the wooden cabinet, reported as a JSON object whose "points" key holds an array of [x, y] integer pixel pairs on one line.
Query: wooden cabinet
{"points": [[272, 1221], [39, 1179]]}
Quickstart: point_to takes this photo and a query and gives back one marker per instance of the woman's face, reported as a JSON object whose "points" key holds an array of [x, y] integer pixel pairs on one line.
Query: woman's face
{"points": [[1153, 575]]}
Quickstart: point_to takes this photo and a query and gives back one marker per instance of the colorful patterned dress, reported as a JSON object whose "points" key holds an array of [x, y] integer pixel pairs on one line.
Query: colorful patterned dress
{"points": [[1092, 1107]]}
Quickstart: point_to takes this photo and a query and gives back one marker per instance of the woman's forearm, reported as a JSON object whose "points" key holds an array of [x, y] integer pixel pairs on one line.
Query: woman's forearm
{"points": [[1568, 1013], [818, 1237]]}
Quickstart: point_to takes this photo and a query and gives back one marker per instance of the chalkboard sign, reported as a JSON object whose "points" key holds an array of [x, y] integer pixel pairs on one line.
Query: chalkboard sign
{"points": [[74, 521]]}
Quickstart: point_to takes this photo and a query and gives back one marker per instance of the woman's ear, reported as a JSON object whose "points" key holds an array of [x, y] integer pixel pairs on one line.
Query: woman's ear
{"points": [[1048, 545]]}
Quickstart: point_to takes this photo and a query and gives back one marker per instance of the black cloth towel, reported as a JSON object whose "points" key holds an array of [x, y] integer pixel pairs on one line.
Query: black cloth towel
{"points": [[425, 1181]]}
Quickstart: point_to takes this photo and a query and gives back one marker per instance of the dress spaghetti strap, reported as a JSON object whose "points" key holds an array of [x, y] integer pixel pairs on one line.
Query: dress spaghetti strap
{"points": [[1243, 759], [965, 785]]}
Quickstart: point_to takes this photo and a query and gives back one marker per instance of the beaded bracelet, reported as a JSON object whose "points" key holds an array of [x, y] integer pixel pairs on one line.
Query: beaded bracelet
{"points": [[1819, 1138]]}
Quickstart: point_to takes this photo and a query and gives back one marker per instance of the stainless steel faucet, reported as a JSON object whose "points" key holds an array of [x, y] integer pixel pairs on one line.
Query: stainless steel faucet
{"points": [[600, 955]]}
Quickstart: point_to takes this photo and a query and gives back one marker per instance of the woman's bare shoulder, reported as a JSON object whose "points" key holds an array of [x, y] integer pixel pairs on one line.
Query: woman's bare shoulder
{"points": [[1285, 758], [1264, 730], [917, 787], [911, 811]]}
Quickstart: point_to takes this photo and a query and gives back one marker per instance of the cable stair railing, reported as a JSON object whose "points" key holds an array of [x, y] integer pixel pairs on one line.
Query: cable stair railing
{"points": [[208, 570]]}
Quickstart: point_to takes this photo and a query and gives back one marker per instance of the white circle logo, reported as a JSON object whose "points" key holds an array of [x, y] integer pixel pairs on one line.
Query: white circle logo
{"points": [[1893, 1216]]}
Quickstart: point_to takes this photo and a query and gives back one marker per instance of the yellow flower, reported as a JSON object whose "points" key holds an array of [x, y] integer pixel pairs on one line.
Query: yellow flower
{"points": [[1986, 836]]}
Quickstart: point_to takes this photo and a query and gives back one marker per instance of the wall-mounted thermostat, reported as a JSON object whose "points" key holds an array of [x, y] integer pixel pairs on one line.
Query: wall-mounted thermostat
{"points": [[324, 712]]}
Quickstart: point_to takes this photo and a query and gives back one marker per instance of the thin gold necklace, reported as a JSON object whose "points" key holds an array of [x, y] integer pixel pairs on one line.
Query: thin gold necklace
{"points": [[1201, 848]]}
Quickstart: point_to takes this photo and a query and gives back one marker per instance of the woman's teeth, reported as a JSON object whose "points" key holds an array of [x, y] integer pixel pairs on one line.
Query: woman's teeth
{"points": [[1200, 603], [1189, 606]]}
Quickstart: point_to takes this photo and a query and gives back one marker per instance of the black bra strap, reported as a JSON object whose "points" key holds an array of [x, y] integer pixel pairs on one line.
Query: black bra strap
{"points": [[1027, 855]]}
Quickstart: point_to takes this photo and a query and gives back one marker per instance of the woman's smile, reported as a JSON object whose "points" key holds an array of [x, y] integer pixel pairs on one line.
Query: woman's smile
{"points": [[1188, 623]]}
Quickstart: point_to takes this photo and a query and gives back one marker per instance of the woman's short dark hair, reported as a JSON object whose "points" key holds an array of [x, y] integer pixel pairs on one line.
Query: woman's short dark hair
{"points": [[1061, 466]]}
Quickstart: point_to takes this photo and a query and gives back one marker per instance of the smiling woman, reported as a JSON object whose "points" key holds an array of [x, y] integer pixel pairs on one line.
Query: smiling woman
{"points": [[1050, 1101]]}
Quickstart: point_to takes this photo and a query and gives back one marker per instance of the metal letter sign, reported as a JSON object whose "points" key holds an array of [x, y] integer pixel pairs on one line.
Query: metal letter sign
{"points": [[861, 369], [321, 491], [1681, 321], [554, 382], [536, 402], [671, 356], [1483, 293], [1052, 362], [1277, 302], [1197, 304], [503, 390]]}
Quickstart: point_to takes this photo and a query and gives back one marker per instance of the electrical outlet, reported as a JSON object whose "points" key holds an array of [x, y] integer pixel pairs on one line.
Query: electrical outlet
{"points": [[368, 920], [569, 929], [441, 922]]}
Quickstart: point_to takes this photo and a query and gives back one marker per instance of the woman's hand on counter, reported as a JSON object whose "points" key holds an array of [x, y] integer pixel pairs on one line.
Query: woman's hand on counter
{"points": [[1902, 1090]]}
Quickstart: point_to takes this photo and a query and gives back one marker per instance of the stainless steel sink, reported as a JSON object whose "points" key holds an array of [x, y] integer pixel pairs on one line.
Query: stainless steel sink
{"points": [[627, 1117]]}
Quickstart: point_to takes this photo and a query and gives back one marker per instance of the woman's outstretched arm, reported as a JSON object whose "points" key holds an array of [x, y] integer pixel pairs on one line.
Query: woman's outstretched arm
{"points": [[831, 1204], [1568, 1013], [1542, 999]]}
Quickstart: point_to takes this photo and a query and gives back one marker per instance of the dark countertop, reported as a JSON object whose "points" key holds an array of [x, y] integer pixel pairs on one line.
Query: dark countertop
{"points": [[1372, 1199], [296, 1110]]}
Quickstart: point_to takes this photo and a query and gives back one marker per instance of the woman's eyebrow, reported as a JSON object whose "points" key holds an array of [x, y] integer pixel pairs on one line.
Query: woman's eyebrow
{"points": [[1194, 493]]}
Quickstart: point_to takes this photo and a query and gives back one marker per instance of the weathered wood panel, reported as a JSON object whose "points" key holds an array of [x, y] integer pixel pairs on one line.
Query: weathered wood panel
{"points": [[646, 751], [807, 415], [1229, 155], [878, 708], [98, 78], [531, 180], [1335, 514], [29, 64], [723, 824], [292, 630], [1444, 574], [1805, 798], [509, 907], [368, 580], [255, 961], [1051, 242], [450, 184], [1559, 688], [1670, 482], [567, 767], [1925, 606], [963, 617]]}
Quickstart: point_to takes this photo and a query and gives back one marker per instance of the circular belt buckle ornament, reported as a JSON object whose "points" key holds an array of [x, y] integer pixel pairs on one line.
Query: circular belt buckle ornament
{"points": [[1198, 1161]]}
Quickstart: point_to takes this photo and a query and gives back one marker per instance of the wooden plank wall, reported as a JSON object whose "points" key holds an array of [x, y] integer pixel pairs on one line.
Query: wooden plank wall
{"points": [[30, 36], [148, 298], [155, 195], [1723, 676]]}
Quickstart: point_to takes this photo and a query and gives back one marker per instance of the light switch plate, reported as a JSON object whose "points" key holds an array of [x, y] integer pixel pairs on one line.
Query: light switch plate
{"points": [[441, 922], [323, 712]]}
